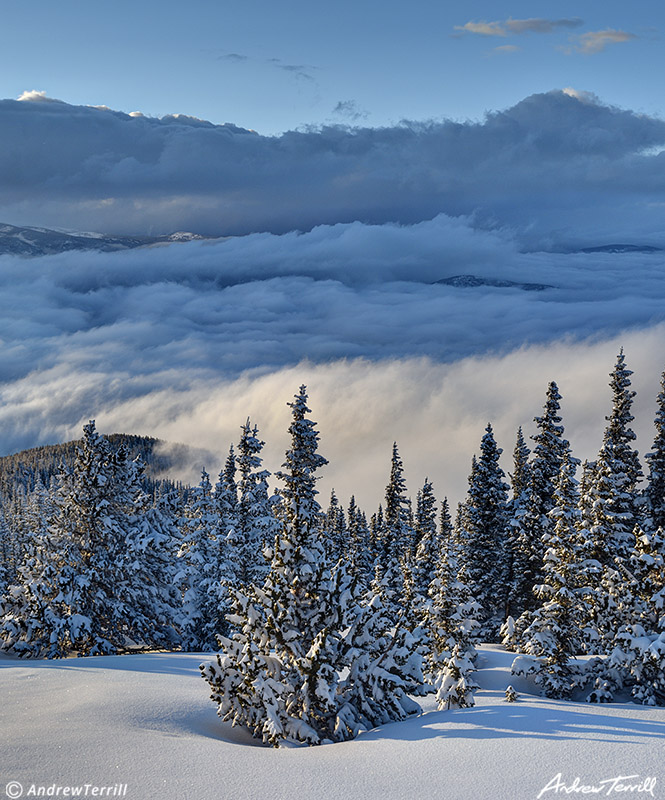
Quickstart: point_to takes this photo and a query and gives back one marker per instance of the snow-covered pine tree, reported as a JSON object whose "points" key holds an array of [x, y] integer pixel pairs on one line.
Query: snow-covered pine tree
{"points": [[637, 652], [394, 537], [285, 639], [309, 660], [256, 522], [225, 496], [29, 623], [446, 530], [617, 472], [203, 571], [549, 453], [7, 561], [520, 480], [556, 629], [451, 624], [398, 533], [655, 488], [428, 543], [76, 591], [376, 524], [151, 558], [482, 531], [335, 531], [361, 563]]}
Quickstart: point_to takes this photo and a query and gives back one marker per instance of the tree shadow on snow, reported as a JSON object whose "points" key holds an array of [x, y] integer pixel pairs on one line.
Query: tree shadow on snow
{"points": [[526, 722]]}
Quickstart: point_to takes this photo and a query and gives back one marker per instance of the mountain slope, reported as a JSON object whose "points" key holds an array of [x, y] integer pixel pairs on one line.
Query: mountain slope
{"points": [[42, 241]]}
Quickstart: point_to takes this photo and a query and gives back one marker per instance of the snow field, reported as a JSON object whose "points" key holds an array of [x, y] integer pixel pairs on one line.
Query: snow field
{"points": [[146, 720]]}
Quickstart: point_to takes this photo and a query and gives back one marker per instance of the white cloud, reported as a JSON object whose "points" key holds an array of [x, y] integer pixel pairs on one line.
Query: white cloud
{"points": [[35, 96], [518, 26], [596, 41]]}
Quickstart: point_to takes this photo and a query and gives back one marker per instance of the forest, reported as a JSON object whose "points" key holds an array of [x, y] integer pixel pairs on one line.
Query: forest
{"points": [[326, 622]]}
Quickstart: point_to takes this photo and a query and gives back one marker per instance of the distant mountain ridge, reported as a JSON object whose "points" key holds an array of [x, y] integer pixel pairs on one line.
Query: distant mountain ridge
{"points": [[621, 248], [472, 281], [19, 241]]}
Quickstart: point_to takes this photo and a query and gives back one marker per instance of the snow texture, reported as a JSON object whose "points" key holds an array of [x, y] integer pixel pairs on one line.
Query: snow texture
{"points": [[146, 720]]}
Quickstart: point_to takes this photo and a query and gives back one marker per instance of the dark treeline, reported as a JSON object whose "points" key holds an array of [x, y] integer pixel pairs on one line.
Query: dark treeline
{"points": [[330, 621]]}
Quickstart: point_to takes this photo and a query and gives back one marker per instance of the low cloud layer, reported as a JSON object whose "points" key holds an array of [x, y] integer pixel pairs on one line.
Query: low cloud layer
{"points": [[183, 342], [558, 169]]}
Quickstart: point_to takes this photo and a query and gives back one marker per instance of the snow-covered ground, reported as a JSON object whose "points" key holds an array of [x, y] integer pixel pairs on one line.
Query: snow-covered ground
{"points": [[146, 721]]}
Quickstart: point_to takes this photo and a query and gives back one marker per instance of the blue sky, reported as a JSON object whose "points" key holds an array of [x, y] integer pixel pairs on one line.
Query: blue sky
{"points": [[276, 66]]}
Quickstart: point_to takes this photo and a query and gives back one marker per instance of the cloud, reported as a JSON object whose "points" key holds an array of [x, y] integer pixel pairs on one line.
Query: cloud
{"points": [[483, 28], [237, 57], [301, 71], [518, 26], [183, 342], [350, 110], [596, 41], [506, 48], [555, 169], [35, 96]]}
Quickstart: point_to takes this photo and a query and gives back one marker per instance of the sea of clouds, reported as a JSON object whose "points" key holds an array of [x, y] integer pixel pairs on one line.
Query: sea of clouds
{"points": [[337, 241]]}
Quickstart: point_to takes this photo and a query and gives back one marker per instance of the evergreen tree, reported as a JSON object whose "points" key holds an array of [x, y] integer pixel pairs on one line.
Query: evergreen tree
{"points": [[256, 523], [225, 496], [335, 531], [310, 661], [446, 530], [398, 534], [655, 489], [151, 560], [550, 451], [203, 572], [428, 548], [482, 533], [614, 494], [361, 563], [556, 629], [637, 599], [75, 589], [451, 623]]}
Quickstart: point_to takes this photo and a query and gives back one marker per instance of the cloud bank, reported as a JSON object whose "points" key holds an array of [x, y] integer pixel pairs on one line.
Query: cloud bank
{"points": [[184, 342], [555, 169], [335, 282]]}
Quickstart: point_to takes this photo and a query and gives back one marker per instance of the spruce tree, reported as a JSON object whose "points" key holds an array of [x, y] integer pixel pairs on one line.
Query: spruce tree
{"points": [[616, 475], [637, 599], [361, 563], [482, 533], [76, 591], [428, 547], [310, 660], [336, 531], [256, 524], [655, 488], [452, 627], [556, 629], [204, 570], [398, 534]]}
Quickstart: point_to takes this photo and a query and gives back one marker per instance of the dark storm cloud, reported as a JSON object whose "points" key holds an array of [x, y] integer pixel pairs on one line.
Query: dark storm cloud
{"points": [[557, 168]]}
